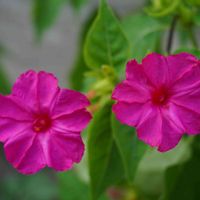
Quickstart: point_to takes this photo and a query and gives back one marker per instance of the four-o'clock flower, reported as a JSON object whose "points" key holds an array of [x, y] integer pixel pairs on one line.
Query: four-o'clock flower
{"points": [[161, 98], [40, 124]]}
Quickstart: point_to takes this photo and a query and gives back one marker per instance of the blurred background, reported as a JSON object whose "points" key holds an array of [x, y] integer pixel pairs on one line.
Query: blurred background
{"points": [[59, 45]]}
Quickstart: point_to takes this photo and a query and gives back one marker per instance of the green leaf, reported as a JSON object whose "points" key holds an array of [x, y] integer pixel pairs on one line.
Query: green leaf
{"points": [[105, 167], [130, 148], [106, 44], [4, 82], [71, 187], [144, 34], [45, 13], [183, 181]]}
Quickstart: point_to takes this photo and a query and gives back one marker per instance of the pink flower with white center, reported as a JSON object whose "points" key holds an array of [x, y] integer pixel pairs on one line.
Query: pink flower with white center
{"points": [[40, 124], [161, 98]]}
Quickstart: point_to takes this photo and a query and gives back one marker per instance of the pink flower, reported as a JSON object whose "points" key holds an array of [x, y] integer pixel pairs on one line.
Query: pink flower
{"points": [[40, 124], [161, 98]]}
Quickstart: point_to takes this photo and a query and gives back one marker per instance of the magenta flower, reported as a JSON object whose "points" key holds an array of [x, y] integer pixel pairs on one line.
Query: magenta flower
{"points": [[161, 98], [40, 124]]}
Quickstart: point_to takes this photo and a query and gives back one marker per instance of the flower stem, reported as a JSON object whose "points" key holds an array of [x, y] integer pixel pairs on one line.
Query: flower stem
{"points": [[171, 34]]}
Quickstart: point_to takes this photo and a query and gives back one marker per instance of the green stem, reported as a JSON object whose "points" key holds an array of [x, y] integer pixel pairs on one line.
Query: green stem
{"points": [[171, 34]]}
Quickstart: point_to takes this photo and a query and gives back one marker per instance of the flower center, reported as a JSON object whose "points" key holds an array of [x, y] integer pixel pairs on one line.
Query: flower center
{"points": [[160, 96], [42, 123]]}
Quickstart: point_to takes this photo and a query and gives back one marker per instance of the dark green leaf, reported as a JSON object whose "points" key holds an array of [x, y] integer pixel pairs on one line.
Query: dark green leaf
{"points": [[144, 34], [106, 43], [45, 13], [183, 181], [105, 167], [4, 82], [130, 148]]}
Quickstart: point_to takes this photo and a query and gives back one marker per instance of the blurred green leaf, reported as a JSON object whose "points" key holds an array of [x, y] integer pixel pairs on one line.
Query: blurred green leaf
{"points": [[106, 44], [105, 167], [4, 82], [183, 180], [77, 4], [144, 34], [192, 51], [71, 187], [153, 165], [193, 2], [130, 148], [45, 13], [39, 186], [160, 8], [197, 18]]}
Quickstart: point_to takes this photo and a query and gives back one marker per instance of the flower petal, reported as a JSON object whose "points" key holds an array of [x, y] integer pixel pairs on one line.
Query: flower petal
{"points": [[190, 100], [64, 149], [188, 81], [171, 135], [129, 93], [12, 109], [75, 121], [10, 127], [37, 90], [180, 64], [189, 117], [25, 153], [47, 88], [160, 131], [69, 101], [156, 69], [135, 74], [149, 130], [131, 113], [13, 117]]}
